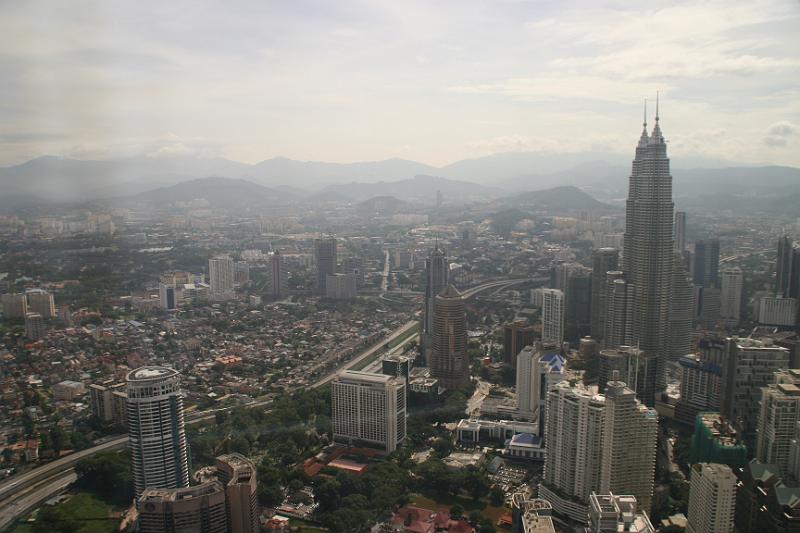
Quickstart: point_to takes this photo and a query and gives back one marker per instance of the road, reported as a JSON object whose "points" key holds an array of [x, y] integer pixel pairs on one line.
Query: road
{"points": [[385, 281], [45, 477], [25, 500]]}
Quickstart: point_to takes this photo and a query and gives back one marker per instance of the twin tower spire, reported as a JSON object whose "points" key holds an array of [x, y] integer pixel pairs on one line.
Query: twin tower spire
{"points": [[656, 137]]}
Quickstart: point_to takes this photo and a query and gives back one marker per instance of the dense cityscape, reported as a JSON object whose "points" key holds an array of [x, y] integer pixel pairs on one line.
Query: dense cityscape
{"points": [[561, 324]]}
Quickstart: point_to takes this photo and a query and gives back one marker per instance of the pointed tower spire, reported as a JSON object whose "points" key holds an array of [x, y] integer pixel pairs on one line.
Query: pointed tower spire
{"points": [[643, 139], [657, 137]]}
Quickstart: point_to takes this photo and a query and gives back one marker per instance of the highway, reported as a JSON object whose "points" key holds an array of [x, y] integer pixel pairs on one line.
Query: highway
{"points": [[48, 478]]}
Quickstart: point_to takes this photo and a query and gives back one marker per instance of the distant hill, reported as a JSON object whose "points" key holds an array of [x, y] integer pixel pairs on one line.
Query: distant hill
{"points": [[220, 192], [420, 189], [383, 205], [557, 200]]}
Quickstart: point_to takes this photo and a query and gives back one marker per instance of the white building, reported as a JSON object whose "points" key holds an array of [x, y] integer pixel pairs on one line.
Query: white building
{"points": [[156, 436], [102, 400], [221, 277], [731, 305], [712, 499], [595, 443], [40, 301], [537, 373], [552, 315], [612, 512], [369, 407], [777, 311], [780, 413], [167, 296]]}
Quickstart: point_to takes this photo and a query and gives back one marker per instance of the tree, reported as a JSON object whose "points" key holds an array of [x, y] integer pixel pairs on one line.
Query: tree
{"points": [[456, 510], [496, 497]]}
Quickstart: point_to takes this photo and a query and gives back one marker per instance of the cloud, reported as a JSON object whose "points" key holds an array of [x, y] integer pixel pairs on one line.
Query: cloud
{"points": [[778, 133]]}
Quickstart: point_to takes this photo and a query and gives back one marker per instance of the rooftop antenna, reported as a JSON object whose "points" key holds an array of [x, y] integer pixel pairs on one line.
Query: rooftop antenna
{"points": [[656, 107], [645, 114]]}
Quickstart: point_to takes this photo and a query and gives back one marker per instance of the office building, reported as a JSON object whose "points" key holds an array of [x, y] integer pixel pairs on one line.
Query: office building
{"points": [[448, 361], [341, 286], [781, 312], [731, 305], [277, 278], [679, 231], [632, 366], [355, 266], [648, 258], [604, 260], [398, 366], [553, 315], [577, 304], [221, 277], [516, 336], [35, 327], [531, 515], [712, 499], [14, 305], [167, 296], [680, 311], [537, 373], [705, 269], [237, 474], [156, 436], [369, 408], [325, 261], [437, 272], [595, 443], [200, 509], [618, 302], [787, 269], [778, 418], [701, 387], [41, 302], [715, 441], [613, 512], [241, 273], [749, 366], [765, 503]]}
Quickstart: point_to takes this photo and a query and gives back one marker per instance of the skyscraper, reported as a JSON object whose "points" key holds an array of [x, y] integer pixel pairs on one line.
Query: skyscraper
{"points": [[648, 258], [437, 272], [277, 280], [34, 326], [577, 304], [603, 261], [516, 336], [706, 263], [325, 260], [167, 296], [787, 269], [537, 373], [369, 407], [617, 310], [14, 305], [156, 437], [635, 367], [680, 311], [221, 277], [712, 499], [40, 301], [552, 315], [731, 305], [679, 233], [778, 418], [448, 360]]}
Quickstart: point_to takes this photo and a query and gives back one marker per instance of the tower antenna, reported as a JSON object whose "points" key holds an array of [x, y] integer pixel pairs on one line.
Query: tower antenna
{"points": [[645, 114], [656, 107]]}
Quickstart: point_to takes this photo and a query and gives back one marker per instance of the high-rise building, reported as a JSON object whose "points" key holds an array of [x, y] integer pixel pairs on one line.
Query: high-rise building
{"points": [[102, 401], [221, 277], [648, 259], [355, 266], [679, 231], [238, 476], [604, 260], [341, 286], [632, 366], [552, 315], [778, 418], [167, 296], [156, 436], [709, 300], [749, 366], [516, 336], [701, 387], [437, 272], [241, 273], [577, 304], [278, 278], [712, 499], [596, 443], [537, 373], [14, 305], [398, 366], [369, 407], [325, 261], [448, 359], [731, 305], [680, 311], [706, 263], [40, 301], [764, 502], [617, 314], [781, 312], [614, 512], [34, 326], [787, 269]]}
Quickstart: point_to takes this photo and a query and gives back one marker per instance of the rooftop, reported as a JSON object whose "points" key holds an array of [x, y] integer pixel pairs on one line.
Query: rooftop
{"points": [[146, 373]]}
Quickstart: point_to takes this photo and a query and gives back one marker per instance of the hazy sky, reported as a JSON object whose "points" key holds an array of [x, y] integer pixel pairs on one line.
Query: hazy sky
{"points": [[434, 81]]}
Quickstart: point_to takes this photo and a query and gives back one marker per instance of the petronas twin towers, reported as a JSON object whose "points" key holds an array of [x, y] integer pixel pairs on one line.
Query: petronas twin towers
{"points": [[652, 312]]}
